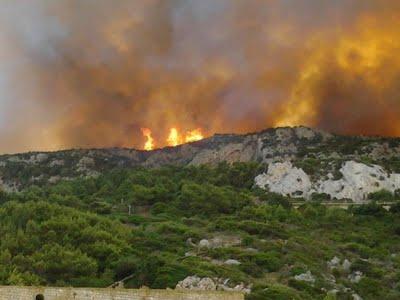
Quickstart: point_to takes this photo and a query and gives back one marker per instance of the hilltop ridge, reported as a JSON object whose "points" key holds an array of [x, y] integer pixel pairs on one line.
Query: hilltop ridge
{"points": [[271, 145]]}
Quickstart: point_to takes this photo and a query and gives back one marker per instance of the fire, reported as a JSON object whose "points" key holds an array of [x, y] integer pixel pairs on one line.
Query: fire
{"points": [[173, 138], [194, 135], [149, 145]]}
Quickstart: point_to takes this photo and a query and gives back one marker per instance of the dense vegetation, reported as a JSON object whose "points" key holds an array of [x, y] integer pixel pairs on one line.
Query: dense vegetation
{"points": [[95, 231]]}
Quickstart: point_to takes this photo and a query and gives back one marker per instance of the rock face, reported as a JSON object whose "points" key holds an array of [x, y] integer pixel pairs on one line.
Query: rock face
{"points": [[357, 182], [283, 178]]}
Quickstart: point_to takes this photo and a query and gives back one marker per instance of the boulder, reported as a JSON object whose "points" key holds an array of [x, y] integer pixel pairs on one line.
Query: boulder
{"points": [[232, 262], [197, 283], [204, 244], [346, 265]]}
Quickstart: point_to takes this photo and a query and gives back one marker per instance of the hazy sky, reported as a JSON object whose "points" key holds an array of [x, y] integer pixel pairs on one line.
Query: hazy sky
{"points": [[91, 73]]}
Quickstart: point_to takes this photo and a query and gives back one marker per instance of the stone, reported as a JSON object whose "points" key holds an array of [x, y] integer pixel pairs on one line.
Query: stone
{"points": [[355, 277], [232, 262], [334, 262], [197, 283], [204, 244], [307, 277], [356, 297], [346, 265], [206, 284], [189, 242]]}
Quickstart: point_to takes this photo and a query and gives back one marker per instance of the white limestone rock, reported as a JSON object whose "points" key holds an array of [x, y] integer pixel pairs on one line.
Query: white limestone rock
{"points": [[356, 297], [307, 277], [232, 262], [197, 283], [283, 178], [346, 265], [204, 244], [355, 277], [211, 284], [358, 181], [334, 263]]}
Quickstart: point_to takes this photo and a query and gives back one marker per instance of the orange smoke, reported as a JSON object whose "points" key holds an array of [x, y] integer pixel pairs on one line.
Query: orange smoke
{"points": [[332, 65], [149, 144]]}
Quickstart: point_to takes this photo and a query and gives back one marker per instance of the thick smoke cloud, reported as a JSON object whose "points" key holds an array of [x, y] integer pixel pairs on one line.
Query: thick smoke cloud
{"points": [[91, 73]]}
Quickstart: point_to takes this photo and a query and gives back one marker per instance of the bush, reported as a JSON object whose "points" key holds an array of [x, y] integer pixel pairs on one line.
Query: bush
{"points": [[276, 199], [317, 197], [395, 208], [382, 196], [369, 288], [370, 209]]}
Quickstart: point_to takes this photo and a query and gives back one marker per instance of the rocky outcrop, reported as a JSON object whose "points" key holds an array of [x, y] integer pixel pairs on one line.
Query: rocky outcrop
{"points": [[336, 263], [211, 284], [357, 182], [283, 178]]}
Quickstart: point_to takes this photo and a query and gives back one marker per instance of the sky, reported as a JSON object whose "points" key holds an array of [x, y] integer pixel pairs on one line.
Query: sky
{"points": [[93, 73]]}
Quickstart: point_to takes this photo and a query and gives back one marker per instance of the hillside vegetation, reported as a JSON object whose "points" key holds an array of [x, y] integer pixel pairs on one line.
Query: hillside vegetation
{"points": [[159, 226]]}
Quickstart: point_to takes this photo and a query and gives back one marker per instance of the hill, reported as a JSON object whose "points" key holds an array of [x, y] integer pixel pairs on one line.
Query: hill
{"points": [[311, 149], [164, 219]]}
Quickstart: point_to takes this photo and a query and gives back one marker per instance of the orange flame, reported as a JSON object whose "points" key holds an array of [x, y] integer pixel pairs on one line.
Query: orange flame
{"points": [[173, 138], [149, 145], [194, 135]]}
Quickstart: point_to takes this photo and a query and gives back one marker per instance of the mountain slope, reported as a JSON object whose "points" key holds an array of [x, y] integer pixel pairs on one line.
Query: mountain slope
{"points": [[295, 144]]}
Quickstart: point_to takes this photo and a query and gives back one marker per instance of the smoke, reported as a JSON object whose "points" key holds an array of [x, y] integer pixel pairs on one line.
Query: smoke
{"points": [[92, 73]]}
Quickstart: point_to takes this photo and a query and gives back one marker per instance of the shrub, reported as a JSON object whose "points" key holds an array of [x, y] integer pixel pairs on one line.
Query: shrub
{"points": [[369, 288], [395, 208], [317, 197], [382, 196], [276, 199], [370, 209]]}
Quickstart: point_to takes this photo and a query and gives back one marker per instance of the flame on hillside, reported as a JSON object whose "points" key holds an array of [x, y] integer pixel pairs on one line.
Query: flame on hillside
{"points": [[174, 137], [149, 144]]}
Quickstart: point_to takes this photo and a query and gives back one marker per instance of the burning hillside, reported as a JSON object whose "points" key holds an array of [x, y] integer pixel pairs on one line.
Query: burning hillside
{"points": [[174, 138]]}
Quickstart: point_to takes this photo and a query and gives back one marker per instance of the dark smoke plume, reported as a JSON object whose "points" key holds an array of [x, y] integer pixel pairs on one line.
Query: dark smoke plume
{"points": [[91, 73]]}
